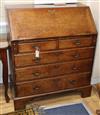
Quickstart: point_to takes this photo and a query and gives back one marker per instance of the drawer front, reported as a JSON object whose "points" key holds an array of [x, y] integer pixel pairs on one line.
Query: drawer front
{"points": [[22, 60], [76, 42], [36, 72], [42, 46], [48, 85]]}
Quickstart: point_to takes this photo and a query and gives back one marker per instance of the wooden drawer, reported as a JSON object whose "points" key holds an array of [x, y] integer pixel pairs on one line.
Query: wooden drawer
{"points": [[36, 72], [22, 60], [49, 85], [42, 45], [76, 42]]}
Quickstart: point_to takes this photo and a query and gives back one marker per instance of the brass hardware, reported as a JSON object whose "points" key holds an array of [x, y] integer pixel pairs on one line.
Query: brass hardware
{"points": [[15, 47], [33, 46], [56, 66], [77, 42], [36, 88], [73, 82], [75, 68], [37, 60], [57, 53], [77, 55], [36, 74]]}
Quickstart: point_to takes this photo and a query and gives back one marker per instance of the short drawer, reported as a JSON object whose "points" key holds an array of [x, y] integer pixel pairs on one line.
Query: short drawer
{"points": [[76, 42], [49, 85], [35, 72], [29, 59], [42, 46]]}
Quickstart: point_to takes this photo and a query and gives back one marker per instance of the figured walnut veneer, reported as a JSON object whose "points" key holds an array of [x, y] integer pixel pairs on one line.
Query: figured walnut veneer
{"points": [[66, 39]]}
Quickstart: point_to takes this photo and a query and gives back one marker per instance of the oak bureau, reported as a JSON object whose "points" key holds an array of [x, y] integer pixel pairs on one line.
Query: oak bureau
{"points": [[51, 50]]}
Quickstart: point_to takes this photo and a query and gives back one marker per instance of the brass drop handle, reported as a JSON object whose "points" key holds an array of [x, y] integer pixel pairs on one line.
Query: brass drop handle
{"points": [[37, 60], [56, 66], [77, 55], [36, 88], [73, 82], [75, 68], [77, 42], [57, 53], [36, 74]]}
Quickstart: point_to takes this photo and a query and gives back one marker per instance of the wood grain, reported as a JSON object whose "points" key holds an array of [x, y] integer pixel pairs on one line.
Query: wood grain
{"points": [[52, 70], [55, 22], [66, 40]]}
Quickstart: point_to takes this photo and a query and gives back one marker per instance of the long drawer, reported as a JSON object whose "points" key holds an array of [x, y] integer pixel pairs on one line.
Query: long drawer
{"points": [[29, 59], [41, 71], [49, 85]]}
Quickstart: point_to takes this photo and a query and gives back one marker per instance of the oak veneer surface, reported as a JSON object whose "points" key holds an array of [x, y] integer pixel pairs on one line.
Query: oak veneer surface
{"points": [[65, 38]]}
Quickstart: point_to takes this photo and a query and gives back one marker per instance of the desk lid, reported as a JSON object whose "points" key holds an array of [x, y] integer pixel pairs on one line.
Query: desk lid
{"points": [[34, 22]]}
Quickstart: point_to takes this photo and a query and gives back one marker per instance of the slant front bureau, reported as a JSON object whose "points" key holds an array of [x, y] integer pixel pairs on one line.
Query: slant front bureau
{"points": [[52, 51]]}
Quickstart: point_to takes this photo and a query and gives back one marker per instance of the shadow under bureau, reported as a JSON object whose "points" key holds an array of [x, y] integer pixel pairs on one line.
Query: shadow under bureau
{"points": [[51, 51]]}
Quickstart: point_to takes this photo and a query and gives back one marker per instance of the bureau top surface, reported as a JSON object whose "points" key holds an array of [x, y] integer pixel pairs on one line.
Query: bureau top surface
{"points": [[35, 22]]}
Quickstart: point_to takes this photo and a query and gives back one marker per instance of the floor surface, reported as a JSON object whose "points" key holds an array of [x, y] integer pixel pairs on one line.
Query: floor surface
{"points": [[93, 102]]}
